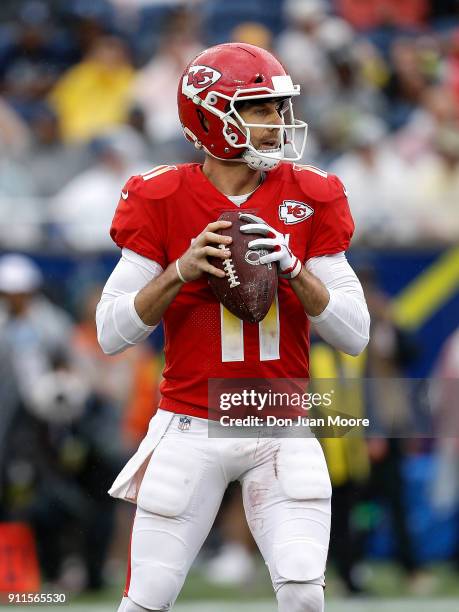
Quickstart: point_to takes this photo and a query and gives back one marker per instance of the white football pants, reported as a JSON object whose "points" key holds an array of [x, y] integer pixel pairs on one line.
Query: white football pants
{"points": [[286, 492]]}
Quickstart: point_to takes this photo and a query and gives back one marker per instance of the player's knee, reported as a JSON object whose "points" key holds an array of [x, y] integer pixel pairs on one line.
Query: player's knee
{"points": [[300, 561], [127, 605], [155, 587], [300, 597]]}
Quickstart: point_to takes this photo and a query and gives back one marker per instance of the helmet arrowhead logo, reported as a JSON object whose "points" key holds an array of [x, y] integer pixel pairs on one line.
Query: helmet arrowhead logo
{"points": [[198, 79]]}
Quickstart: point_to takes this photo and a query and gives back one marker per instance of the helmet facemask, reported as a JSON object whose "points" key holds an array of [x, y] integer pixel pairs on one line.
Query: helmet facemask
{"points": [[291, 136], [237, 132]]}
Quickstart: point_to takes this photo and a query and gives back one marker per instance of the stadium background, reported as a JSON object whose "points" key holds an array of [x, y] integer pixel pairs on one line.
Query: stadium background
{"points": [[87, 98]]}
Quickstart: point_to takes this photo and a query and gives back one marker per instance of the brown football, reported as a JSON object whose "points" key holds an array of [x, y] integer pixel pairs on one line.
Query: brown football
{"points": [[248, 288]]}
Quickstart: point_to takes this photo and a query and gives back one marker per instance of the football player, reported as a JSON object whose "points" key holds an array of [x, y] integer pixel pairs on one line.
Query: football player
{"points": [[235, 103]]}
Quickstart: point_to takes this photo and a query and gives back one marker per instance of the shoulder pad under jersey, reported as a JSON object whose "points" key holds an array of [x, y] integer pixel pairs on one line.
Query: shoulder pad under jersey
{"points": [[159, 182], [317, 184]]}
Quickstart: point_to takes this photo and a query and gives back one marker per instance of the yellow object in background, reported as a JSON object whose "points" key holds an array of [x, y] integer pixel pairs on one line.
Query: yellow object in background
{"points": [[347, 458], [95, 94]]}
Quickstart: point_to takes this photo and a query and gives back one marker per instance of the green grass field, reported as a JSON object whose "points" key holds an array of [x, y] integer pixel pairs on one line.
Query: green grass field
{"points": [[334, 605], [387, 588]]}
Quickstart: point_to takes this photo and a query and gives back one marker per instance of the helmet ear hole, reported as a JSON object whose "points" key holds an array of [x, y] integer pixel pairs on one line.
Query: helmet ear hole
{"points": [[202, 120], [259, 78]]}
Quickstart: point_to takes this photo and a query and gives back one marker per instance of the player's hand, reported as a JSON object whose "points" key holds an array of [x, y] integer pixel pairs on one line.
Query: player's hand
{"points": [[289, 265], [193, 263]]}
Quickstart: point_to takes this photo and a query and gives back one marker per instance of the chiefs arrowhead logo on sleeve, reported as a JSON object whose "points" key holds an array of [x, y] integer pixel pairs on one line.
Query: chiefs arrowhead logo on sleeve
{"points": [[198, 79], [291, 212]]}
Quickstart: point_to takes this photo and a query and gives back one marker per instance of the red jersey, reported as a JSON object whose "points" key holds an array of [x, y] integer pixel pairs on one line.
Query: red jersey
{"points": [[158, 215]]}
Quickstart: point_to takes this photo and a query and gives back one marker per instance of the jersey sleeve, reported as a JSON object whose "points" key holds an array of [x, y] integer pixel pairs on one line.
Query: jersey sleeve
{"points": [[333, 225], [138, 223]]}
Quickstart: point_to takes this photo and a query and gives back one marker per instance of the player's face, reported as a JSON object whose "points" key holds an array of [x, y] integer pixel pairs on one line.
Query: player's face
{"points": [[264, 112]]}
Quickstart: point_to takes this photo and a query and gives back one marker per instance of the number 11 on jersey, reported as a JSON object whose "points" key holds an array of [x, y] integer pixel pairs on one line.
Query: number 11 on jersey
{"points": [[232, 335]]}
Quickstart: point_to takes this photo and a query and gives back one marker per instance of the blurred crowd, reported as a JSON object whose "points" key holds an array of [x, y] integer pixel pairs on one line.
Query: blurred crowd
{"points": [[87, 98], [88, 88], [70, 418]]}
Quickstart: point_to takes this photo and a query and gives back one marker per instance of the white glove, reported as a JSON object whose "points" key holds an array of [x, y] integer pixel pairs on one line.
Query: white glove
{"points": [[289, 265]]}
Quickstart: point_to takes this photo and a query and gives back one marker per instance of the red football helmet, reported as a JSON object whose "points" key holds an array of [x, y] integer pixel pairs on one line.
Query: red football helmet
{"points": [[211, 86]]}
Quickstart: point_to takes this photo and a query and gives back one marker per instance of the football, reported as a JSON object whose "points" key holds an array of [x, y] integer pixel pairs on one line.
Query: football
{"points": [[248, 288]]}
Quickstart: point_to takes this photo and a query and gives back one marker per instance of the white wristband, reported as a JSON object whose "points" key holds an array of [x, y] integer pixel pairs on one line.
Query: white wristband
{"points": [[178, 271], [293, 271]]}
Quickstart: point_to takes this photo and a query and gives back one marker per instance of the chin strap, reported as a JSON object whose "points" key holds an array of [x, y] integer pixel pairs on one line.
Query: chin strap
{"points": [[258, 162]]}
